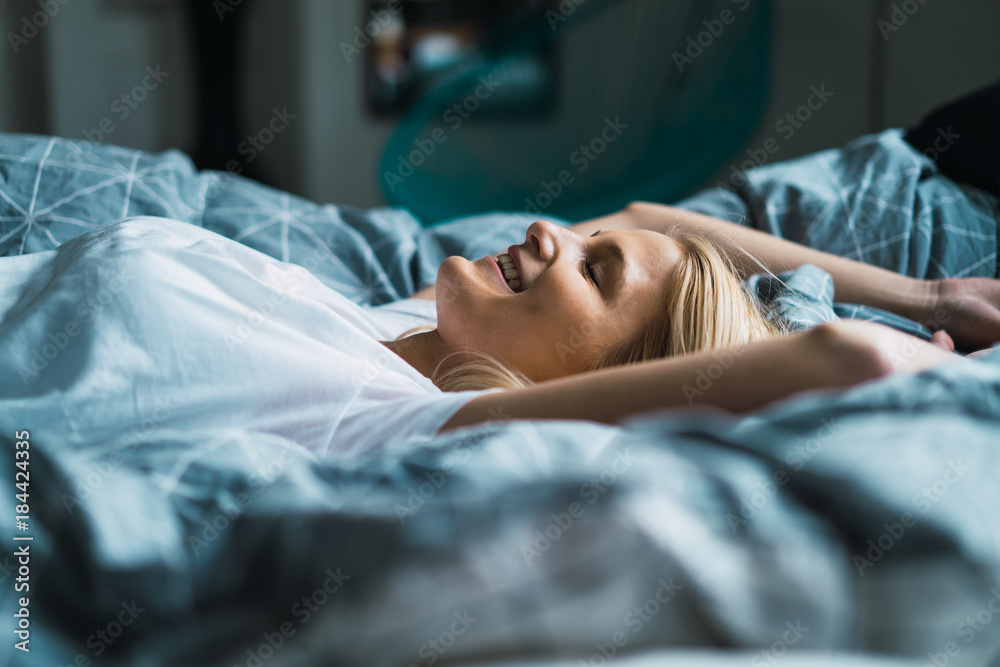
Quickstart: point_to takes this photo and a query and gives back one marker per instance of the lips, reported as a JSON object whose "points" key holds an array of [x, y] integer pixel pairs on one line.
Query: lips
{"points": [[499, 272]]}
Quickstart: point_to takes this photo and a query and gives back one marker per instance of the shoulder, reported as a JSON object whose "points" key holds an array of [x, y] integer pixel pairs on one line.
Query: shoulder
{"points": [[426, 293]]}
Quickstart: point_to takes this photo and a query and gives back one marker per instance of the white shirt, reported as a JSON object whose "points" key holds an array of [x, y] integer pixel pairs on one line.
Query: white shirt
{"points": [[159, 324]]}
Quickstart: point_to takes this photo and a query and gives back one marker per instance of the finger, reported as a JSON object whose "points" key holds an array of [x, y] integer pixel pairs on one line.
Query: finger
{"points": [[943, 340]]}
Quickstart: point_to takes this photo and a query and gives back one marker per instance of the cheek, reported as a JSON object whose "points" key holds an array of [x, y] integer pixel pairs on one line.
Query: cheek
{"points": [[566, 312], [568, 330], [580, 340]]}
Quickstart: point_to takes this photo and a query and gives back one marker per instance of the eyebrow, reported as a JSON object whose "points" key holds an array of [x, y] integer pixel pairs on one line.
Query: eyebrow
{"points": [[618, 255]]}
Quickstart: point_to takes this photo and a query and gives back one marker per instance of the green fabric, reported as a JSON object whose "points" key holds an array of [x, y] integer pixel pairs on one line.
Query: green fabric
{"points": [[653, 98]]}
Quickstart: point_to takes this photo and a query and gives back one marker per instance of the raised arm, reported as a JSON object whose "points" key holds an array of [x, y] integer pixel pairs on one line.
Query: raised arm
{"points": [[854, 282], [833, 355], [967, 308]]}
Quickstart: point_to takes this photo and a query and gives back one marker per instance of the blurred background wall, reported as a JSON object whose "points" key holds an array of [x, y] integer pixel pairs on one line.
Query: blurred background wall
{"points": [[68, 78]]}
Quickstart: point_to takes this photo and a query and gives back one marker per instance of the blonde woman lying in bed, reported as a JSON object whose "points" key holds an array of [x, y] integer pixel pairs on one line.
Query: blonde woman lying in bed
{"points": [[146, 326], [662, 285]]}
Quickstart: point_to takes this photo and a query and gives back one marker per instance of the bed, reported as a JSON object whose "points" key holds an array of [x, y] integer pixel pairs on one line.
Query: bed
{"points": [[832, 528]]}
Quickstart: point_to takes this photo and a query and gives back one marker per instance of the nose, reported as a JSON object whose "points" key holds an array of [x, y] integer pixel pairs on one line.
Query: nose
{"points": [[544, 237]]}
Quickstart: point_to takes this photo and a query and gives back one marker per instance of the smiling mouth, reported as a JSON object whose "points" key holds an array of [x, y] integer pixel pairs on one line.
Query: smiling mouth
{"points": [[509, 271]]}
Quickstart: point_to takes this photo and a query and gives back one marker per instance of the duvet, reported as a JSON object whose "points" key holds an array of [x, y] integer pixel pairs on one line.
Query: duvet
{"points": [[860, 521]]}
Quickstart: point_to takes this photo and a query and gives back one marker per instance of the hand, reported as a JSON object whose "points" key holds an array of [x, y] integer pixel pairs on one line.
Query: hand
{"points": [[896, 351], [968, 309]]}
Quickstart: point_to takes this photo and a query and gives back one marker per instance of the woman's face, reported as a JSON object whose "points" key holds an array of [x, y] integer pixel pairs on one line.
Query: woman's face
{"points": [[558, 319]]}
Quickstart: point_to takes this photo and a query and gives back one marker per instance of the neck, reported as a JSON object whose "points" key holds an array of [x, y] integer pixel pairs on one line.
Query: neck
{"points": [[422, 350]]}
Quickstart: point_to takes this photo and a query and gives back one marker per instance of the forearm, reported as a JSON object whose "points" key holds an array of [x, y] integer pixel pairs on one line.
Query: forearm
{"points": [[854, 282], [738, 379]]}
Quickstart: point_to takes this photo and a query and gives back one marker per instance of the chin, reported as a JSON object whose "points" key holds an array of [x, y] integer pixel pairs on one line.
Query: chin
{"points": [[452, 275], [452, 288]]}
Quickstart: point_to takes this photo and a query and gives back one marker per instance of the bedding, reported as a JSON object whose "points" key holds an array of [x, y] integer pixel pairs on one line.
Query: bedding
{"points": [[150, 318], [861, 521]]}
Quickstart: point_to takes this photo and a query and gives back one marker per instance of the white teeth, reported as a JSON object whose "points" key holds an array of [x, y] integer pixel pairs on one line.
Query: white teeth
{"points": [[509, 271]]}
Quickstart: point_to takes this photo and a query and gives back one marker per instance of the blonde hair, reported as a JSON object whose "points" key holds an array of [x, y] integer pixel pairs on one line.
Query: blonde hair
{"points": [[705, 307]]}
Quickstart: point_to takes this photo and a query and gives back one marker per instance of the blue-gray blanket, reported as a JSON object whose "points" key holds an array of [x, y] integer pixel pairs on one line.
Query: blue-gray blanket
{"points": [[857, 520]]}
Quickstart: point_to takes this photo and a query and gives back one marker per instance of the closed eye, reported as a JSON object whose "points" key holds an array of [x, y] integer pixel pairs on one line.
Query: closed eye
{"points": [[590, 273], [589, 269]]}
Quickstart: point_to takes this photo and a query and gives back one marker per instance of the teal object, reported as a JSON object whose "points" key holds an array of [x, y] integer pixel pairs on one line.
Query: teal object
{"points": [[652, 98]]}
